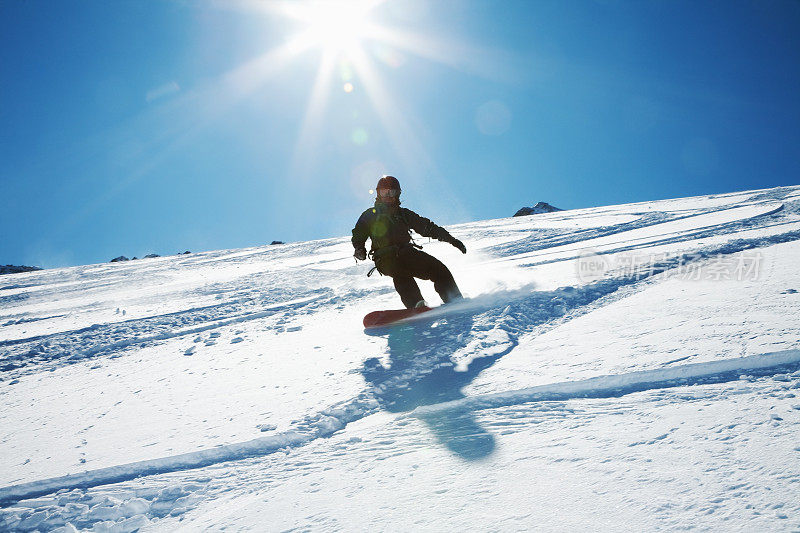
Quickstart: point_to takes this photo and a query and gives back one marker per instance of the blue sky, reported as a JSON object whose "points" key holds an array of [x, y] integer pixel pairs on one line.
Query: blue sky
{"points": [[132, 127]]}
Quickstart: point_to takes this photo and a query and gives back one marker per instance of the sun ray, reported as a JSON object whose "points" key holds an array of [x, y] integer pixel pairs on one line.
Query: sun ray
{"points": [[182, 119], [484, 62], [343, 32], [405, 141], [312, 119]]}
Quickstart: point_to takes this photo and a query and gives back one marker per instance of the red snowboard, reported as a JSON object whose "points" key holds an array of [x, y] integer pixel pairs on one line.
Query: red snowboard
{"points": [[377, 319]]}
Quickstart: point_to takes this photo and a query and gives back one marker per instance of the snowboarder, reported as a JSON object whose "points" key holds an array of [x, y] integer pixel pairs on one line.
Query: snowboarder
{"points": [[395, 254]]}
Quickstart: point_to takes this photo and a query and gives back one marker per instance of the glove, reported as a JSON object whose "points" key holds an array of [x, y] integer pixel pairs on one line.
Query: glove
{"points": [[361, 254], [458, 244]]}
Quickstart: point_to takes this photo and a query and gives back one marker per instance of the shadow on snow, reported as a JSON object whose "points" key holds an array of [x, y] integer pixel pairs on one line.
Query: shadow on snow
{"points": [[420, 372]]}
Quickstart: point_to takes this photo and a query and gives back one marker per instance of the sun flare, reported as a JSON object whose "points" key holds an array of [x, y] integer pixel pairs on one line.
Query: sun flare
{"points": [[338, 28], [354, 44]]}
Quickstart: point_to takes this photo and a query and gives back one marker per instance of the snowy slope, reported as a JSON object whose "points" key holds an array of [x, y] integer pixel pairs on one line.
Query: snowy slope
{"points": [[631, 366]]}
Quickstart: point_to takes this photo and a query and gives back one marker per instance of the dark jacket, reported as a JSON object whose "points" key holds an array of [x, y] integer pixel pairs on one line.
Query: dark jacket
{"points": [[389, 226]]}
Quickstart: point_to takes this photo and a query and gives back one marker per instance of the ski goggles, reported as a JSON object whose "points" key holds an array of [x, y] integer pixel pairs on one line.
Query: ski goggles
{"points": [[388, 193]]}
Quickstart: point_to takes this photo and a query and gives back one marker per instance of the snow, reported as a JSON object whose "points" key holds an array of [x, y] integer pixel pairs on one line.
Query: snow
{"points": [[236, 389]]}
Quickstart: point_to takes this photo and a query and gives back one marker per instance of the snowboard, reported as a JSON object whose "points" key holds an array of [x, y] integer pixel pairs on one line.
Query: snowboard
{"points": [[378, 319]]}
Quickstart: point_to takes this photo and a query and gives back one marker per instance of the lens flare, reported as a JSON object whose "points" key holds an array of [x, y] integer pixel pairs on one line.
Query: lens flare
{"points": [[360, 137]]}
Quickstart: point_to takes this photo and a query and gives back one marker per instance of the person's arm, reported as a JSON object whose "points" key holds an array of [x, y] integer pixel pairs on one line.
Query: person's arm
{"points": [[360, 234], [426, 228]]}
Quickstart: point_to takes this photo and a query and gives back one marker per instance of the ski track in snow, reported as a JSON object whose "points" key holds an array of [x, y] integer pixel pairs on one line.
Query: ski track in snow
{"points": [[786, 362], [450, 345], [128, 506], [607, 386]]}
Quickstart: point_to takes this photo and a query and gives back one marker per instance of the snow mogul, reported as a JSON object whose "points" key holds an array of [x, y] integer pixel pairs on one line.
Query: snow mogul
{"points": [[395, 254]]}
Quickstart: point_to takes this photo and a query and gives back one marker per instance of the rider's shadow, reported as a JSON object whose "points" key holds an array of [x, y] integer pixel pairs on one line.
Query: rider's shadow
{"points": [[421, 372]]}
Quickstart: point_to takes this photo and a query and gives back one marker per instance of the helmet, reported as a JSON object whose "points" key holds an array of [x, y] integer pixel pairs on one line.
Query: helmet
{"points": [[388, 182], [388, 190]]}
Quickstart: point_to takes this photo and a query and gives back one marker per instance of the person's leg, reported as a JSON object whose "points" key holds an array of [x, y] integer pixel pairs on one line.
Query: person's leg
{"points": [[408, 290], [447, 288], [404, 283], [425, 266]]}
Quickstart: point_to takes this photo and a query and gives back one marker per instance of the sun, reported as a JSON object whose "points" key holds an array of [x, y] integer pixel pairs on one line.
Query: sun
{"points": [[338, 28], [352, 39]]}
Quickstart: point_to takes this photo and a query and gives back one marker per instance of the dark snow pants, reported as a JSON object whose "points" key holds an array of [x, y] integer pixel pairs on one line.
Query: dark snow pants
{"points": [[405, 263]]}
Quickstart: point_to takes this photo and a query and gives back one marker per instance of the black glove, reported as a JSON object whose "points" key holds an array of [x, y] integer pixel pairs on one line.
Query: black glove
{"points": [[458, 244], [361, 254]]}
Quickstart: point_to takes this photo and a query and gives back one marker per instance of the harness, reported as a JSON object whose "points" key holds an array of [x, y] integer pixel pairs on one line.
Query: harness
{"points": [[377, 255], [393, 249]]}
